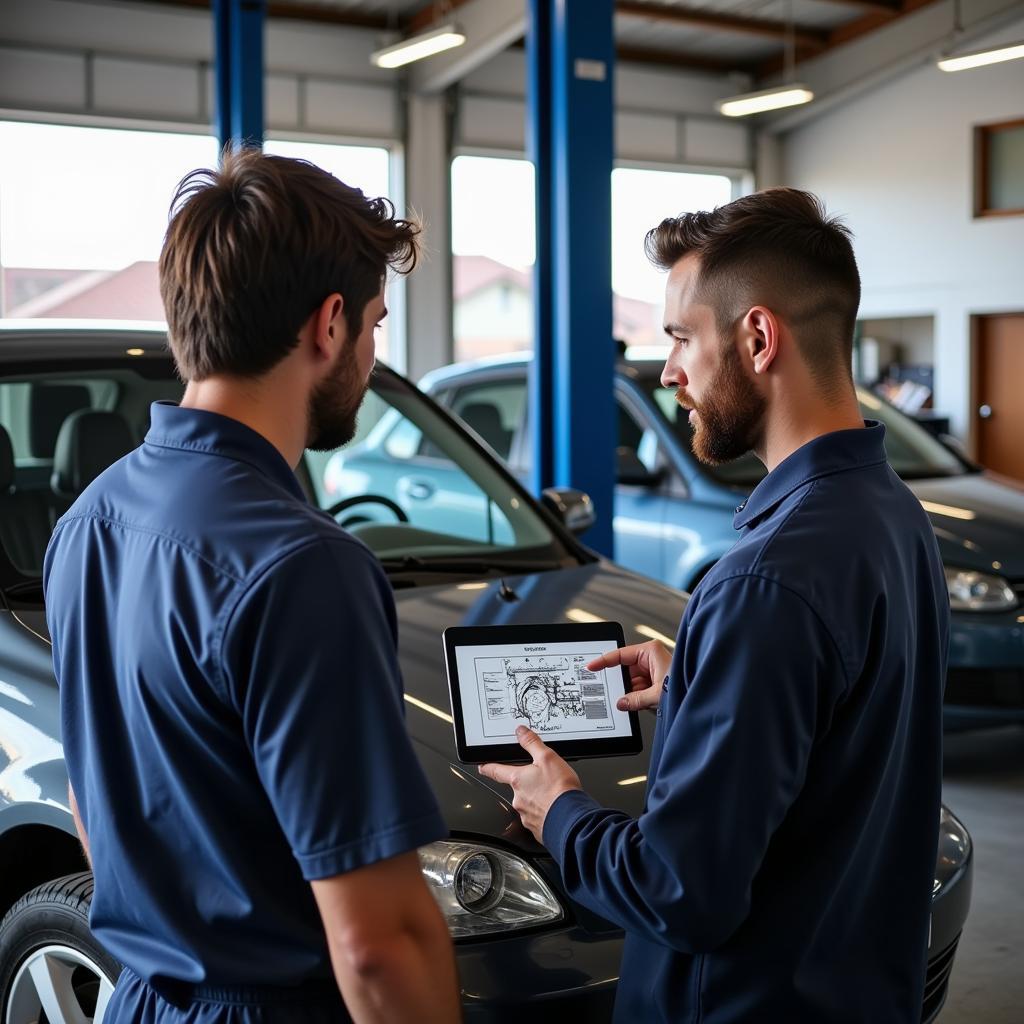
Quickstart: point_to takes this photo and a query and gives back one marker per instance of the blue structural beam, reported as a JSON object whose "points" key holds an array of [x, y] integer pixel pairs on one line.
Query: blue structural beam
{"points": [[571, 52], [238, 69]]}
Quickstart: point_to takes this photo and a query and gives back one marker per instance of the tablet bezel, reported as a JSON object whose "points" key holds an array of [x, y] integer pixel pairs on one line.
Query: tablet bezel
{"points": [[556, 632]]}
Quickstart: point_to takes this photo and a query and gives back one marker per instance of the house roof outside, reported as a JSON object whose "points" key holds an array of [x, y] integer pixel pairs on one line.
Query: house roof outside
{"points": [[133, 294]]}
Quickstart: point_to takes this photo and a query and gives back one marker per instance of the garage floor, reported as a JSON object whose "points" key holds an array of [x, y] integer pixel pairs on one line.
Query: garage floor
{"points": [[984, 787]]}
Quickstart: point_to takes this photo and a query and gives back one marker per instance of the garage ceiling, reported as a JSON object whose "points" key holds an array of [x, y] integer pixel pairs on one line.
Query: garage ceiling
{"points": [[749, 36]]}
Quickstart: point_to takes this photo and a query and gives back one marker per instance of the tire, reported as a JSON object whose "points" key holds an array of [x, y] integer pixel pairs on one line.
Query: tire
{"points": [[52, 970]]}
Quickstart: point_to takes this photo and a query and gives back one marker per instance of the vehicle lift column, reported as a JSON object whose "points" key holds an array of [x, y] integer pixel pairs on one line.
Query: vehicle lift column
{"points": [[238, 71], [570, 55]]}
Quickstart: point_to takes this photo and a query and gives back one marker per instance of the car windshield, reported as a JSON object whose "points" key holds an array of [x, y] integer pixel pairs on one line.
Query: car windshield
{"points": [[912, 451], [411, 485], [417, 490]]}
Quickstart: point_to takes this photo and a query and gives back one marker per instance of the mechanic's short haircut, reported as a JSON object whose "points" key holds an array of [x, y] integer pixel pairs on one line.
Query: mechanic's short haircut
{"points": [[254, 247], [776, 248]]}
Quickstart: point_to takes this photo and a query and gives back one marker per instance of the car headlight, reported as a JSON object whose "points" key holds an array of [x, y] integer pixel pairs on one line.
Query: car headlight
{"points": [[971, 591], [954, 847], [482, 889]]}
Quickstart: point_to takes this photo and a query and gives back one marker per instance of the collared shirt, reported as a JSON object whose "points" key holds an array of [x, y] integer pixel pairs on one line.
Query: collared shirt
{"points": [[232, 708], [782, 867]]}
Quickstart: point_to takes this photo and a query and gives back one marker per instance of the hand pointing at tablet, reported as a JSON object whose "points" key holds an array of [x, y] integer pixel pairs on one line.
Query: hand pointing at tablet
{"points": [[648, 665], [536, 786]]}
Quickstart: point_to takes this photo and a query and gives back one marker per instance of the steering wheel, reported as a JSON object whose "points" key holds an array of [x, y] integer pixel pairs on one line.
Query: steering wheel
{"points": [[376, 499]]}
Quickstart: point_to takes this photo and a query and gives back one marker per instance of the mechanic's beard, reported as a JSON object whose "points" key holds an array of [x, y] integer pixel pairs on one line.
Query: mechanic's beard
{"points": [[334, 405], [730, 421]]}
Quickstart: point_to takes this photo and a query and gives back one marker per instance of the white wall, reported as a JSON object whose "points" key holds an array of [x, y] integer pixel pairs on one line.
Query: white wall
{"points": [[88, 59], [897, 164], [661, 116]]}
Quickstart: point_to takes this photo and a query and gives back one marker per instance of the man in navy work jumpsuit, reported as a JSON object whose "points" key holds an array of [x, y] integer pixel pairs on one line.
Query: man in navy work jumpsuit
{"points": [[231, 702], [781, 871]]}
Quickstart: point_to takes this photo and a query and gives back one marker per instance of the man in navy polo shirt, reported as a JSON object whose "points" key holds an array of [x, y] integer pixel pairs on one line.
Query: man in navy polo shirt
{"points": [[782, 868], [231, 701]]}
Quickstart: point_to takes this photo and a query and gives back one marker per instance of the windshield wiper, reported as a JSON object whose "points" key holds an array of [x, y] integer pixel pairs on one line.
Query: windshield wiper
{"points": [[468, 566]]}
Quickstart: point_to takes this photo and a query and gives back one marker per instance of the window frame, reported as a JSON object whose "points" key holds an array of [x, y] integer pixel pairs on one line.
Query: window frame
{"points": [[398, 321], [983, 133]]}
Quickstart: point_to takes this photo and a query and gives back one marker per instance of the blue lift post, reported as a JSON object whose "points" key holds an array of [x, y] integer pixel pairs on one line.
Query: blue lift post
{"points": [[571, 53], [238, 70]]}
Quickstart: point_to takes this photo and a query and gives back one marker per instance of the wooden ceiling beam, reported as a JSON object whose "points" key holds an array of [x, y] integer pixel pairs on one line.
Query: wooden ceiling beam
{"points": [[300, 12], [683, 61], [888, 7], [808, 39], [847, 33], [426, 16]]}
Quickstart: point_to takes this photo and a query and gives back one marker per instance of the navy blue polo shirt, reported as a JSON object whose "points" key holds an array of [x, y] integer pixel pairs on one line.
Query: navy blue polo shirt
{"points": [[231, 704], [782, 867]]}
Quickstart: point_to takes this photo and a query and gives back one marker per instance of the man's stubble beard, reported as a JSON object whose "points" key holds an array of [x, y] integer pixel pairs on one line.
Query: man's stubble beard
{"points": [[334, 404], [730, 420]]}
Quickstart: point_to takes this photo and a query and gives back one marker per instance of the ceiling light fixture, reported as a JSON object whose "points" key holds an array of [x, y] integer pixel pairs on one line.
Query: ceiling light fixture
{"points": [[789, 94], [776, 98], [976, 58], [425, 44], [979, 58]]}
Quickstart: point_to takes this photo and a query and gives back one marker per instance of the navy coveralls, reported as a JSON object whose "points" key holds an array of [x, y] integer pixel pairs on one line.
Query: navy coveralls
{"points": [[232, 718], [782, 868]]}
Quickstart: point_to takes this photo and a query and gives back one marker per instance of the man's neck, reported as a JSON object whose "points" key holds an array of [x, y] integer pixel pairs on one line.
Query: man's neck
{"points": [[263, 405], [791, 427]]}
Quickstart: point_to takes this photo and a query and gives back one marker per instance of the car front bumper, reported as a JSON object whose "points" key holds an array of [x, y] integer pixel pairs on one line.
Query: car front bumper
{"points": [[560, 976], [985, 683]]}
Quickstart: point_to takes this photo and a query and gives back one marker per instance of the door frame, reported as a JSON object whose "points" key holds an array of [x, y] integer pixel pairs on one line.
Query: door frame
{"points": [[974, 389]]}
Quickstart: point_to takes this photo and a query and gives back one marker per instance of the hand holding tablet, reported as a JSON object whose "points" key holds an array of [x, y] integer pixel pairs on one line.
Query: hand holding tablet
{"points": [[501, 677]]}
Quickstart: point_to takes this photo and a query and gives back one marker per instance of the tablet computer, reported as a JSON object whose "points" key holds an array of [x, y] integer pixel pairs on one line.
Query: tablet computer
{"points": [[501, 677]]}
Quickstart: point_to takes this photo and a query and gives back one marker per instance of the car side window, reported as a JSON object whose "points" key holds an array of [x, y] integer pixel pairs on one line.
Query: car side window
{"points": [[493, 410], [638, 437]]}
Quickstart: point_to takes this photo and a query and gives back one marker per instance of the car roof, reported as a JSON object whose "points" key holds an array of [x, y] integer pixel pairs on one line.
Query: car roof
{"points": [[63, 339], [642, 361]]}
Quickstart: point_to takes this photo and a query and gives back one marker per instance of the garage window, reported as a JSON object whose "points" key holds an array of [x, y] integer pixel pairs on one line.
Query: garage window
{"points": [[493, 249], [83, 212], [999, 169]]}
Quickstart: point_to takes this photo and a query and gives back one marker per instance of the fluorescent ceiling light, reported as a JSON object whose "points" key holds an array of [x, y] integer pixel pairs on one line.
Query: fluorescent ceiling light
{"points": [[426, 44], [979, 58], [779, 96]]}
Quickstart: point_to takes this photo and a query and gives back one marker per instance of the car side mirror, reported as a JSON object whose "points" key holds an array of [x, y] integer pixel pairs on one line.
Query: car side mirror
{"points": [[572, 508], [630, 470]]}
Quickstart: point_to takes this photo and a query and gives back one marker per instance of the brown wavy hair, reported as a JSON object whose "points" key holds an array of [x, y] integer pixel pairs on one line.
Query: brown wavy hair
{"points": [[255, 246]]}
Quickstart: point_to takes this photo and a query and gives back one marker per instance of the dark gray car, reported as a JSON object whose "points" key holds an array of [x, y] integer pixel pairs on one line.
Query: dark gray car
{"points": [[522, 945]]}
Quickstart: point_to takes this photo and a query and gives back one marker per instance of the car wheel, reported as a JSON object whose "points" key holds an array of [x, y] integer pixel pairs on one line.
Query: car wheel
{"points": [[52, 970]]}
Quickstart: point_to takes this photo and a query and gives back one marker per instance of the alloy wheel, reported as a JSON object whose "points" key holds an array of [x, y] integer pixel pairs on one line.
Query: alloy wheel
{"points": [[58, 985]]}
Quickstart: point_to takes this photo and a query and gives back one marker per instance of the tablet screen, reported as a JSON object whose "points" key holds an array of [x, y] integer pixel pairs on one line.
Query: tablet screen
{"points": [[536, 676]]}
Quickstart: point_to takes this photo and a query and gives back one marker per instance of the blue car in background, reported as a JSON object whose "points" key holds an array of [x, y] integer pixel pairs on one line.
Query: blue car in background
{"points": [[673, 516]]}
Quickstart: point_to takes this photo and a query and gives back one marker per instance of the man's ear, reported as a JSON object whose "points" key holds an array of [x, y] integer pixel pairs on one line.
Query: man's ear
{"points": [[329, 330], [761, 334]]}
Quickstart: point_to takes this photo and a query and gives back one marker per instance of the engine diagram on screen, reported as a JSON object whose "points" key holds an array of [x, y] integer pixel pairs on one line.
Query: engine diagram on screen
{"points": [[548, 693]]}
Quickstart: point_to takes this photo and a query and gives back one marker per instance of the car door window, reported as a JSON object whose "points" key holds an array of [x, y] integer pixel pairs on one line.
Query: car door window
{"points": [[638, 437], [494, 410]]}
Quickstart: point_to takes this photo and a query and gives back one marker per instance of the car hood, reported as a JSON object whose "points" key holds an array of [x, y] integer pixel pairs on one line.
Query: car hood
{"points": [[473, 805], [977, 519]]}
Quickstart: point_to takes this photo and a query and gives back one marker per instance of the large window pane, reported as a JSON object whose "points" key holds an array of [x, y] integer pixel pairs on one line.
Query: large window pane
{"points": [[493, 249], [641, 199], [83, 213]]}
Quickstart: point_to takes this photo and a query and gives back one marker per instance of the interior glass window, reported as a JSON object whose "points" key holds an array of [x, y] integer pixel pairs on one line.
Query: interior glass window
{"points": [[493, 410]]}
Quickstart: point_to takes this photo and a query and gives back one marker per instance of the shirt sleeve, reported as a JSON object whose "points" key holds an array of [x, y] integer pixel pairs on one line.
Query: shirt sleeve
{"points": [[311, 666], [763, 676]]}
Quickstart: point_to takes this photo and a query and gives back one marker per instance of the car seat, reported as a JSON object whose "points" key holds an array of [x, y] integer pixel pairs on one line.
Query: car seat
{"points": [[485, 420], [24, 515], [88, 442]]}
